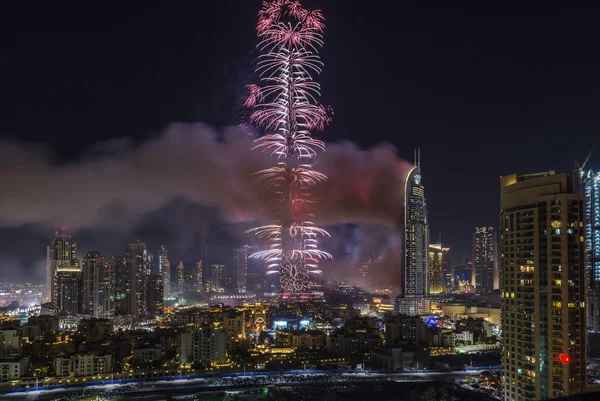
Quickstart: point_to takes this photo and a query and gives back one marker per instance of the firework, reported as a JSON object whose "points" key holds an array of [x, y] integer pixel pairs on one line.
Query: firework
{"points": [[285, 105]]}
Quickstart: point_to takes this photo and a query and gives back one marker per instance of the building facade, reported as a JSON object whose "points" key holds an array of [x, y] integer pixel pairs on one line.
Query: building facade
{"points": [[543, 284], [415, 278], [485, 259], [138, 269], [592, 241], [240, 269], [437, 254], [91, 268]]}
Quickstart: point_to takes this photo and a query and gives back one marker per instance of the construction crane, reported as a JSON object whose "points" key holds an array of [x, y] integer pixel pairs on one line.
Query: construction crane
{"points": [[580, 167]]}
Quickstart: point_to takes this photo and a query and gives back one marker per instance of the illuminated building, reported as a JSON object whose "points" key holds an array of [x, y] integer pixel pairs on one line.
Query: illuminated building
{"points": [[167, 279], [543, 311], [437, 255], [139, 269], [180, 278], [592, 237], [90, 266], [217, 273], [202, 344], [485, 259], [240, 269], [163, 257], [197, 277], [155, 295], [122, 288], [68, 290], [63, 253], [415, 282]]}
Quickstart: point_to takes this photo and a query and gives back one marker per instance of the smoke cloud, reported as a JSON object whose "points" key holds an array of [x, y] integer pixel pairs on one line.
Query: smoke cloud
{"points": [[116, 183]]}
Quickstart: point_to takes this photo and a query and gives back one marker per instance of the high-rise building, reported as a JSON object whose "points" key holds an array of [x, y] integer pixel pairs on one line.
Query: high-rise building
{"points": [[104, 290], [180, 278], [255, 277], [122, 285], [68, 290], [217, 273], [90, 266], [47, 293], [163, 256], [166, 268], [139, 269], [206, 273], [64, 256], [240, 269], [592, 244], [437, 255], [543, 284], [485, 259], [415, 282], [155, 295], [198, 273]]}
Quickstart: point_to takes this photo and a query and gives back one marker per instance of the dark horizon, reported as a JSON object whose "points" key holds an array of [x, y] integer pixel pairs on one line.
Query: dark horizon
{"points": [[483, 92]]}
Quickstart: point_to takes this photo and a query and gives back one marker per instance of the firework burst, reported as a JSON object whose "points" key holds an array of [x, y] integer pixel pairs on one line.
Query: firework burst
{"points": [[285, 105]]}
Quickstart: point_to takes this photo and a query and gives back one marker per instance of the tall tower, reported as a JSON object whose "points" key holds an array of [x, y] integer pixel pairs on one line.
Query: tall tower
{"points": [[240, 269], [415, 283], [166, 269], [218, 271], [163, 256], [592, 244], [47, 293], [485, 259], [64, 259], [437, 255], [91, 268], [138, 268], [103, 297], [122, 285], [180, 278], [198, 277], [543, 277], [206, 273]]}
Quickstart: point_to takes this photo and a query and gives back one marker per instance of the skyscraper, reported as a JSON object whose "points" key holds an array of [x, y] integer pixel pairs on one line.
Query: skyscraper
{"points": [[64, 289], [104, 290], [543, 314], [91, 269], [437, 255], [592, 242], [138, 268], [198, 273], [240, 269], [415, 283], [206, 273], [180, 279], [122, 285], [163, 256], [485, 259], [217, 273], [155, 295], [166, 269]]}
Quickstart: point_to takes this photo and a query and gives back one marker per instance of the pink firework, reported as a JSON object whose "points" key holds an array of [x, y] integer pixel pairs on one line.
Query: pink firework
{"points": [[285, 105]]}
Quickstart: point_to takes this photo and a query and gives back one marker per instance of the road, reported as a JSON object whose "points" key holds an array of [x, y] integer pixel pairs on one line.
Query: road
{"points": [[237, 381]]}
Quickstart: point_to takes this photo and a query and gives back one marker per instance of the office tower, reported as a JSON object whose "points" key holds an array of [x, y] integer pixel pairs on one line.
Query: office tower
{"points": [[543, 276], [155, 296], [47, 293], [163, 256], [240, 269], [448, 278], [138, 268], [166, 268], [180, 278], [415, 283], [104, 290], [217, 273], [122, 285], [437, 255], [90, 266], [592, 244], [64, 256], [68, 290], [485, 259], [198, 283]]}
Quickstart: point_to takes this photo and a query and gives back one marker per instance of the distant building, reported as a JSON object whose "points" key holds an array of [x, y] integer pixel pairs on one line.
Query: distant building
{"points": [[155, 296], [163, 257], [91, 267], [139, 270], [437, 255], [180, 278], [64, 256], [543, 280], [217, 274], [198, 277], [240, 269], [122, 285], [166, 273], [485, 259]]}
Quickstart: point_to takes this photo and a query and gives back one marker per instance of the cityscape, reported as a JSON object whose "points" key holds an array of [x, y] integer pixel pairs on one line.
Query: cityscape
{"points": [[271, 260]]}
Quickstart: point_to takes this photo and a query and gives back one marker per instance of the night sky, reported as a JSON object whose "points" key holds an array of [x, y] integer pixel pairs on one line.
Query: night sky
{"points": [[483, 92]]}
